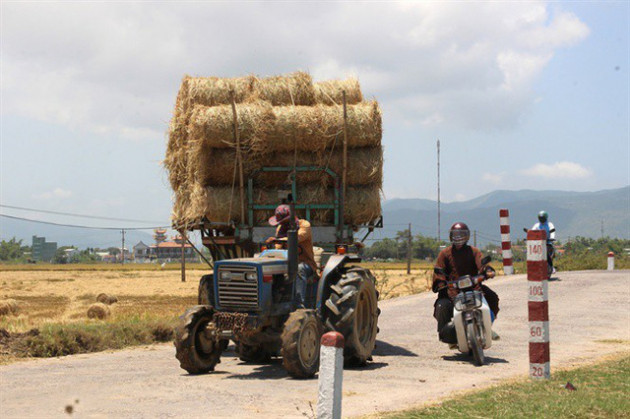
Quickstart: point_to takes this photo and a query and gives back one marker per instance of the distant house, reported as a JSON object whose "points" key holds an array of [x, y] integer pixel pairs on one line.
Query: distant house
{"points": [[43, 251], [172, 252], [142, 253]]}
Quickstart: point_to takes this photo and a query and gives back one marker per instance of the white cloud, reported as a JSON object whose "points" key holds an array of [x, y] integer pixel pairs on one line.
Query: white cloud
{"points": [[495, 178], [559, 170], [55, 193], [115, 68]]}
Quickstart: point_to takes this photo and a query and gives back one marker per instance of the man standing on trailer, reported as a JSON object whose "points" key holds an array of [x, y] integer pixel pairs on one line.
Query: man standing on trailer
{"points": [[306, 256]]}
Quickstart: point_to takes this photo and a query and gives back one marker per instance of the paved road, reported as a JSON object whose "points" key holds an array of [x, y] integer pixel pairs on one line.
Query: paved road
{"points": [[410, 367]]}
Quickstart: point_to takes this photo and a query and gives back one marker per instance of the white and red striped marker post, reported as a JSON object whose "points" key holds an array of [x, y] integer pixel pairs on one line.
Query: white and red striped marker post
{"points": [[611, 261], [330, 376], [506, 244], [538, 304]]}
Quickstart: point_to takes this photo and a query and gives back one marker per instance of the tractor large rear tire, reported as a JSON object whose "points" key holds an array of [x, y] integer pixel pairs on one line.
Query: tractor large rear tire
{"points": [[300, 343], [196, 348], [353, 311], [205, 296]]}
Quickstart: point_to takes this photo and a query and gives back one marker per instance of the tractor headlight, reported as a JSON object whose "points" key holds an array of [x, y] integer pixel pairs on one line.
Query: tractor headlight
{"points": [[250, 276], [225, 275]]}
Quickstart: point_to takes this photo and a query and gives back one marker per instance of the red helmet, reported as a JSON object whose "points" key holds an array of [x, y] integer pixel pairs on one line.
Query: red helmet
{"points": [[459, 234]]}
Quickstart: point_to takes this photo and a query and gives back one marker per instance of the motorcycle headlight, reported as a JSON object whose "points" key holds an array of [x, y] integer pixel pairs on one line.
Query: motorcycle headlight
{"points": [[464, 283], [250, 276]]}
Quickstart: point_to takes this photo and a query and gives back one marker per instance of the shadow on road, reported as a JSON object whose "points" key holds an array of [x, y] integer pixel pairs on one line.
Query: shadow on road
{"points": [[368, 367], [468, 358], [387, 349]]}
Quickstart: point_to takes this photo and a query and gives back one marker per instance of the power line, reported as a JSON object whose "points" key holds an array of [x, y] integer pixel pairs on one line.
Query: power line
{"points": [[76, 215], [80, 226]]}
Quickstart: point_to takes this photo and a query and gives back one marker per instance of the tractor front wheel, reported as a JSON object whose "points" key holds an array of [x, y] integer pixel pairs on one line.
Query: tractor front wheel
{"points": [[197, 346], [353, 311], [300, 343]]}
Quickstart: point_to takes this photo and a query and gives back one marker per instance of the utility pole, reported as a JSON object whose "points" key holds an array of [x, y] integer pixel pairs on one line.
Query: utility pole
{"points": [[183, 233], [122, 249], [409, 250], [602, 228], [475, 238], [438, 190]]}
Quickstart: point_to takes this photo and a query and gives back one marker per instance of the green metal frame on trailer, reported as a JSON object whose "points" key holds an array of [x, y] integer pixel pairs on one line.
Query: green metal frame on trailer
{"points": [[248, 233]]}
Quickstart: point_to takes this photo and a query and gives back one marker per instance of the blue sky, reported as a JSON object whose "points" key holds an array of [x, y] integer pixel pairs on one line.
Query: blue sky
{"points": [[523, 95]]}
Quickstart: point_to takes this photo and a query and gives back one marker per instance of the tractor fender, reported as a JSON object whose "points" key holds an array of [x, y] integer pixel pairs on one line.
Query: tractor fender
{"points": [[329, 276]]}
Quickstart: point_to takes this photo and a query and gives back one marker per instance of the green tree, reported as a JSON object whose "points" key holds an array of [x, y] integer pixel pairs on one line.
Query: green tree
{"points": [[11, 250]]}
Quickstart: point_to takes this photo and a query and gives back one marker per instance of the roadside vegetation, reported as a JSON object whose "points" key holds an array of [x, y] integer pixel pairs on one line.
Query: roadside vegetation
{"points": [[601, 391]]}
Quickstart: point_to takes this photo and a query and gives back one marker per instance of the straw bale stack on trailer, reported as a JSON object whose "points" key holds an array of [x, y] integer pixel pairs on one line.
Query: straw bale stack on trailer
{"points": [[276, 121]]}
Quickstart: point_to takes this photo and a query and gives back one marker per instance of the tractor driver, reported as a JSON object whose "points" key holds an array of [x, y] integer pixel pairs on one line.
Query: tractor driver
{"points": [[306, 256], [457, 260]]}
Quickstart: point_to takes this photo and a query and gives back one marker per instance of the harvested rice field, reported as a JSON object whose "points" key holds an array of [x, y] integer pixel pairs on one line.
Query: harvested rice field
{"points": [[51, 317]]}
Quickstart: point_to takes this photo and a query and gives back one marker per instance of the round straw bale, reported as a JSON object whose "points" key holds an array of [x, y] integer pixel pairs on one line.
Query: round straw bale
{"points": [[9, 307], [216, 167], [106, 298], [98, 311], [214, 126], [213, 91], [320, 127], [293, 89], [222, 204], [330, 92]]}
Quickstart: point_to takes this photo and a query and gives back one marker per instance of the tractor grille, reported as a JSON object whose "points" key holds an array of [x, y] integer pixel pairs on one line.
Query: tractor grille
{"points": [[237, 292]]}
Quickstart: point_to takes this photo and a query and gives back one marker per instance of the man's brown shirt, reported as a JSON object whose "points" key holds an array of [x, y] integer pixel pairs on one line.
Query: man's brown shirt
{"points": [[456, 263]]}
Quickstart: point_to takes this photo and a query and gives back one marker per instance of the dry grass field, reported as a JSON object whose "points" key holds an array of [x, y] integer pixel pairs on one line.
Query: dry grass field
{"points": [[55, 302]]}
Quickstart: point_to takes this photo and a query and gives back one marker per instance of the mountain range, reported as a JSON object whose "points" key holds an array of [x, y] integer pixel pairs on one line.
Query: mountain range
{"points": [[573, 214]]}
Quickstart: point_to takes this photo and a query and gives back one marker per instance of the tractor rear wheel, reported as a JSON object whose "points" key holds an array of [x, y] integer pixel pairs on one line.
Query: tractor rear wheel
{"points": [[205, 295], [196, 344], [300, 343], [353, 311]]}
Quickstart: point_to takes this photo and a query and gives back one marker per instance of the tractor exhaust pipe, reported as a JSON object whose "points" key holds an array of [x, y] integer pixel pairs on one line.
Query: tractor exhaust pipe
{"points": [[292, 244]]}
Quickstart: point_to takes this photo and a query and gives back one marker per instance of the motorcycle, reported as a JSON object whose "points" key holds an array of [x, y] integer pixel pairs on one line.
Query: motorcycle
{"points": [[551, 252], [472, 317]]}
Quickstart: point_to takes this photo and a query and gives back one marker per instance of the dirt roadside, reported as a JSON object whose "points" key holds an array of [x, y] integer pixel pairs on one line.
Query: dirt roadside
{"points": [[589, 318]]}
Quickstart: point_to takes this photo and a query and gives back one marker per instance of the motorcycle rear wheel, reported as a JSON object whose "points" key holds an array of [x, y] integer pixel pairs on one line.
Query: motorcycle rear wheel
{"points": [[474, 343]]}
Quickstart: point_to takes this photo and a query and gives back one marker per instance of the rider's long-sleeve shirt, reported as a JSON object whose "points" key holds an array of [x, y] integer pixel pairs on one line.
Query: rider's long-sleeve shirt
{"points": [[457, 262], [548, 227]]}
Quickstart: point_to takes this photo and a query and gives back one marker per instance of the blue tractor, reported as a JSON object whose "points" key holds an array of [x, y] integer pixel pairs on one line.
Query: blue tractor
{"points": [[251, 301]]}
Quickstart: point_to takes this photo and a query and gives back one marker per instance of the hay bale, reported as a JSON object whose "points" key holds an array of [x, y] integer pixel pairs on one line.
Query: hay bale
{"points": [[221, 204], [213, 127], [9, 307], [266, 129], [215, 167], [98, 311], [106, 298], [330, 92], [213, 91], [320, 127], [292, 89]]}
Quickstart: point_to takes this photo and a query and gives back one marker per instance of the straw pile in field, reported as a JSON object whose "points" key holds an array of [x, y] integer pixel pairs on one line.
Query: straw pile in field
{"points": [[106, 298], [282, 121], [9, 307], [98, 311]]}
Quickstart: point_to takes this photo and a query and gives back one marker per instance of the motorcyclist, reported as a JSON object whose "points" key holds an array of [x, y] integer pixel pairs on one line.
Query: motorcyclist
{"points": [[544, 224], [307, 267], [457, 260]]}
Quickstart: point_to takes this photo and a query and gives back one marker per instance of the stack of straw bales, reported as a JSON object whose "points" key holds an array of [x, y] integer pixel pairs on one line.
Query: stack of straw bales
{"points": [[281, 120]]}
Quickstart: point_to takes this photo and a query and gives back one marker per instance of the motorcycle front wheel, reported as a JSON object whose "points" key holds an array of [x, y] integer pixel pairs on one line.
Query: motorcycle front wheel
{"points": [[474, 343]]}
